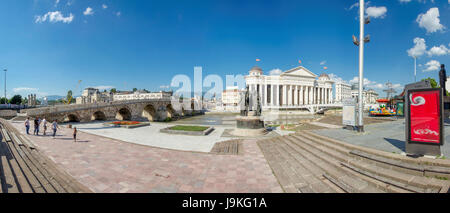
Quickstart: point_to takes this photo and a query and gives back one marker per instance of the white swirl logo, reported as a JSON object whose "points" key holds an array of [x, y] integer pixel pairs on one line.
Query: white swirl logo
{"points": [[418, 101], [425, 132]]}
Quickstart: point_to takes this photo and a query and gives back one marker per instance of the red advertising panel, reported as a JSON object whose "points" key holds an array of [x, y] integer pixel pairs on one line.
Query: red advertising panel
{"points": [[425, 116]]}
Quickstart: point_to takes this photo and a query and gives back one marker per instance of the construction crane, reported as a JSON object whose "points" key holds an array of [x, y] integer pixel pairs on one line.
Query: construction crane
{"points": [[390, 90]]}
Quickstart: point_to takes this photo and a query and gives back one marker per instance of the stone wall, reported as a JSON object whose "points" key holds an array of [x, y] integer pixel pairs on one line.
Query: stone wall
{"points": [[8, 114]]}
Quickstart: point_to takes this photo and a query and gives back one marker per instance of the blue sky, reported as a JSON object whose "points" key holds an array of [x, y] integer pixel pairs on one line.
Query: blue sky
{"points": [[49, 45]]}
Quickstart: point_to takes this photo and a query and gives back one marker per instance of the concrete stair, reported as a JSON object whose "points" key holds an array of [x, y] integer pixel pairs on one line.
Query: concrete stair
{"points": [[24, 170], [309, 161]]}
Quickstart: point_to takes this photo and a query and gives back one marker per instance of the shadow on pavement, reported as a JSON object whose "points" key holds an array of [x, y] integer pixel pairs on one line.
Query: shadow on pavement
{"points": [[397, 143]]}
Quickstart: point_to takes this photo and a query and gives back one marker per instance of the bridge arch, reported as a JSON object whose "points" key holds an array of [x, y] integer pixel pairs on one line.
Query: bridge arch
{"points": [[149, 112], [124, 114], [98, 116], [170, 111], [71, 118]]}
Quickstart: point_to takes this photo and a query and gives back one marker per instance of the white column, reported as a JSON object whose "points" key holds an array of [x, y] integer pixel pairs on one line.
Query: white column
{"points": [[296, 96], [276, 99], [322, 93], [289, 95], [284, 94], [300, 102], [265, 95], [310, 101]]}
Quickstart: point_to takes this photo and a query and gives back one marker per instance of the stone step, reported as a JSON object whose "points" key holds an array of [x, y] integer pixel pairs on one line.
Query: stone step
{"points": [[330, 156], [311, 175], [330, 166], [387, 155], [287, 177], [7, 177], [40, 172], [32, 184], [10, 181], [45, 183], [388, 168]]}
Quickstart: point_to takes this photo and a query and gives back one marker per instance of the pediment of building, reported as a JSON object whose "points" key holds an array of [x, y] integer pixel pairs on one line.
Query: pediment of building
{"points": [[300, 72]]}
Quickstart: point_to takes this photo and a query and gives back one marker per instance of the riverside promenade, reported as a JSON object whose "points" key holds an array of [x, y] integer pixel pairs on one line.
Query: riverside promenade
{"points": [[106, 165]]}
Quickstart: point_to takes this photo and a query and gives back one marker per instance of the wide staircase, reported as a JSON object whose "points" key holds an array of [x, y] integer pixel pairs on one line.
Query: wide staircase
{"points": [[23, 169], [309, 163]]}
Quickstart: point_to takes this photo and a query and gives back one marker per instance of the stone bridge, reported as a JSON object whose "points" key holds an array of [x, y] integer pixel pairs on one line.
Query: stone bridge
{"points": [[140, 110]]}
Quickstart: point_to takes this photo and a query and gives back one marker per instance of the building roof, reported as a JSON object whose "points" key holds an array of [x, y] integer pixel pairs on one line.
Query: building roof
{"points": [[256, 68]]}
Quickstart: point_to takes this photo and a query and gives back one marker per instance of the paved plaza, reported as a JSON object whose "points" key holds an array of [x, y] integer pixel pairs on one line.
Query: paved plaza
{"points": [[387, 136], [110, 165], [150, 136]]}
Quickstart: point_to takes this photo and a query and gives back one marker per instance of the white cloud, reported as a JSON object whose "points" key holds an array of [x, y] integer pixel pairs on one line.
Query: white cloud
{"points": [[56, 3], [104, 6], [54, 17], [419, 48], [376, 12], [430, 20], [88, 11], [432, 65], [164, 86], [336, 78], [24, 89], [118, 14], [323, 62], [438, 51], [406, 1], [366, 81], [101, 88], [275, 72]]}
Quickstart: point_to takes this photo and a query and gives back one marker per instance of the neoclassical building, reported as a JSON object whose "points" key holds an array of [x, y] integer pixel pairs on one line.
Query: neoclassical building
{"points": [[292, 89]]}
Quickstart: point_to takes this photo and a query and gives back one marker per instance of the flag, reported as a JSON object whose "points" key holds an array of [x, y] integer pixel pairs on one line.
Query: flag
{"points": [[258, 59], [325, 68], [299, 61]]}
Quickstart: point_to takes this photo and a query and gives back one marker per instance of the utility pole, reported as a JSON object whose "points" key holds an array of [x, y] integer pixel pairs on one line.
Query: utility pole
{"points": [[361, 66], [5, 86]]}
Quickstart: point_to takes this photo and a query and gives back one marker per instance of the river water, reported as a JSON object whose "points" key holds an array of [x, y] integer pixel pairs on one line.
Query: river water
{"points": [[229, 119]]}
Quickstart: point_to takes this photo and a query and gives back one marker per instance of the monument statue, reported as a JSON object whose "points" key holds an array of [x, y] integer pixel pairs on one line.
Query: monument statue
{"points": [[249, 123], [443, 78], [258, 107]]}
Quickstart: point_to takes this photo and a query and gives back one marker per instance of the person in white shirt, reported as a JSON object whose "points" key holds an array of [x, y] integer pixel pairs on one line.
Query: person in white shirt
{"points": [[44, 123], [27, 125]]}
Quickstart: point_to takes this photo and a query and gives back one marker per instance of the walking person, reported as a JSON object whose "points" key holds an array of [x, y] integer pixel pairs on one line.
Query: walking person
{"points": [[75, 134], [55, 127], [36, 125], [27, 125], [44, 124]]}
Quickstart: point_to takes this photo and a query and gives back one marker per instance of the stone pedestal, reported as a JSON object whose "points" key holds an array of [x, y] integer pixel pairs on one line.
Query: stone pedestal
{"points": [[249, 126]]}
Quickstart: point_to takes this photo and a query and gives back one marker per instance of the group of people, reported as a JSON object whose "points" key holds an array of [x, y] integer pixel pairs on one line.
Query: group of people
{"points": [[37, 123]]}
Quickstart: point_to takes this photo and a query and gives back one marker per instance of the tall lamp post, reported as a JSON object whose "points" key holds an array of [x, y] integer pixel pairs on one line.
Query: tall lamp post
{"points": [[5, 86], [362, 40]]}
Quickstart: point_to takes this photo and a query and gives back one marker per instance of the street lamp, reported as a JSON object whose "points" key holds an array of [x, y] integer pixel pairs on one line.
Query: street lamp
{"points": [[5, 85], [362, 40]]}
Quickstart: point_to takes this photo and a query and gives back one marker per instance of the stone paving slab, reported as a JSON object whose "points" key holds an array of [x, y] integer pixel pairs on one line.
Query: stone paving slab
{"points": [[387, 136], [151, 136], [111, 166]]}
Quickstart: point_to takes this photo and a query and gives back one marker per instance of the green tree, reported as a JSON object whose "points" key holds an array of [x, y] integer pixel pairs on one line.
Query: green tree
{"points": [[3, 100], [17, 99], [114, 90], [433, 82], [135, 89]]}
